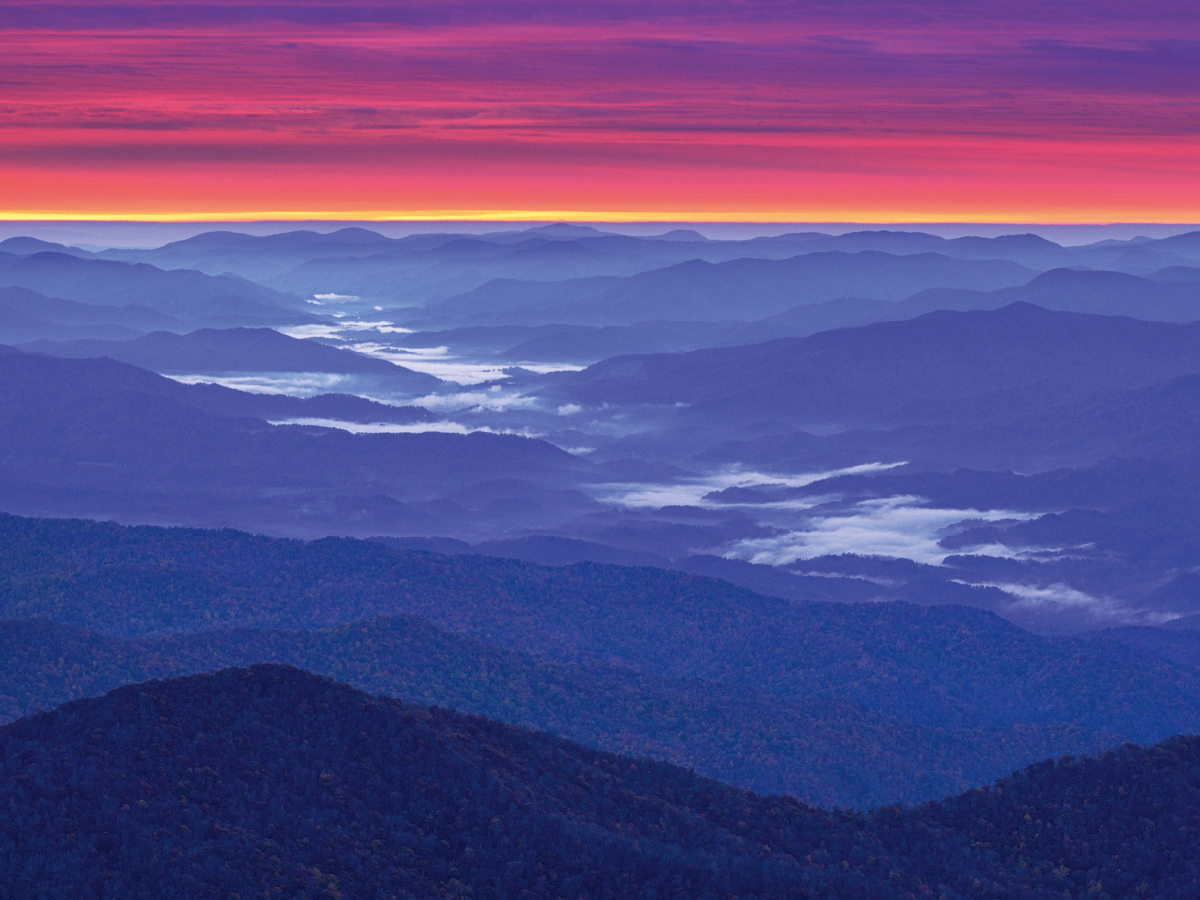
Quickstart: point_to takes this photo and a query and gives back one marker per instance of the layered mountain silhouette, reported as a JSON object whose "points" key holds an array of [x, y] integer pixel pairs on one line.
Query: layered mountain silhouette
{"points": [[119, 441], [1165, 296], [1069, 290], [891, 372], [1020, 387], [178, 787], [1015, 387], [417, 269], [828, 751], [26, 315], [236, 350], [743, 289], [870, 518], [632, 659], [182, 294]]}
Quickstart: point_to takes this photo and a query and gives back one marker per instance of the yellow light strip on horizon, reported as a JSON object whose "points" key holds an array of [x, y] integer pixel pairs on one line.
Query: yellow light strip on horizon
{"points": [[587, 216]]}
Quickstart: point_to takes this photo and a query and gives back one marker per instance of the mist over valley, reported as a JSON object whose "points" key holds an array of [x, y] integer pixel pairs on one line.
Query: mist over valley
{"points": [[864, 519]]}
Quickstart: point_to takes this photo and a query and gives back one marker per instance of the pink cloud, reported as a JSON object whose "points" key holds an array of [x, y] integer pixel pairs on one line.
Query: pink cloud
{"points": [[904, 107]]}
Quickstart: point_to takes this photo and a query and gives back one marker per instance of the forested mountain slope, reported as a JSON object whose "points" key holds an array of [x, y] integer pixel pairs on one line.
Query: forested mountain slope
{"points": [[270, 780], [822, 750], [889, 682]]}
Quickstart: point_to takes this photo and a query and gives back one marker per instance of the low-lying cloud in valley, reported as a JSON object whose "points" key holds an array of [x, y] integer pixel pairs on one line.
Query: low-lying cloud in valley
{"points": [[440, 362], [693, 491], [898, 527], [406, 428], [295, 384]]}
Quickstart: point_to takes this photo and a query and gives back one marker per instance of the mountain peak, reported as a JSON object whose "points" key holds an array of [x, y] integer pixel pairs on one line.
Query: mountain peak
{"points": [[300, 786], [24, 246], [567, 230]]}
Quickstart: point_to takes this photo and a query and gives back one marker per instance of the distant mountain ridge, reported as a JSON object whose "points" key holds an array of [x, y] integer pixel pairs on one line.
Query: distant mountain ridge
{"points": [[868, 375], [118, 441], [235, 350], [1166, 298], [182, 294], [1069, 290], [26, 315], [308, 261], [743, 289], [545, 268], [1169, 295]]}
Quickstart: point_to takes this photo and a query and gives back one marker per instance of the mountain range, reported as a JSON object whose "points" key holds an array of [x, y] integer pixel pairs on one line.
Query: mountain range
{"points": [[182, 294], [235, 350], [1057, 393], [742, 289], [115, 440], [27, 315], [420, 268], [941, 366], [1166, 298], [838, 703], [272, 780], [867, 520]]}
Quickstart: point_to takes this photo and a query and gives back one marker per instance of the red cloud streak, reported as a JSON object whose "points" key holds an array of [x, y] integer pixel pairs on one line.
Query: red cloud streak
{"points": [[868, 111]]}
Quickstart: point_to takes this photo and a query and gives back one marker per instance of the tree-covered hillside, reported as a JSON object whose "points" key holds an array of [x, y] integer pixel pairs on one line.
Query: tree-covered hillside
{"points": [[839, 704], [273, 782], [827, 751], [950, 667]]}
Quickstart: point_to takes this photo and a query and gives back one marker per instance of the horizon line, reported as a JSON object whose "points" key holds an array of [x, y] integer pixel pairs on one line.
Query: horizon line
{"points": [[570, 217]]}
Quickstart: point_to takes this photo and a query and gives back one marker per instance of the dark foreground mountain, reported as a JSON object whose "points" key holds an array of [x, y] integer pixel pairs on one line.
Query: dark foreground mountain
{"points": [[733, 683], [822, 750], [270, 781], [1180, 644]]}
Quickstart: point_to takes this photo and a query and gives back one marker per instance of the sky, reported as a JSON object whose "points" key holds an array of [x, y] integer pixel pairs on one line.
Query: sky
{"points": [[1073, 112]]}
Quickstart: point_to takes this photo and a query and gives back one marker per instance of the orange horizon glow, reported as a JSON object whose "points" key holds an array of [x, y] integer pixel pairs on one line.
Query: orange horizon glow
{"points": [[547, 216], [658, 111]]}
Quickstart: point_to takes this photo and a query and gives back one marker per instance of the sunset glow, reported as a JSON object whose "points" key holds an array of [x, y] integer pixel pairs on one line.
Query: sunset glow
{"points": [[609, 111]]}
